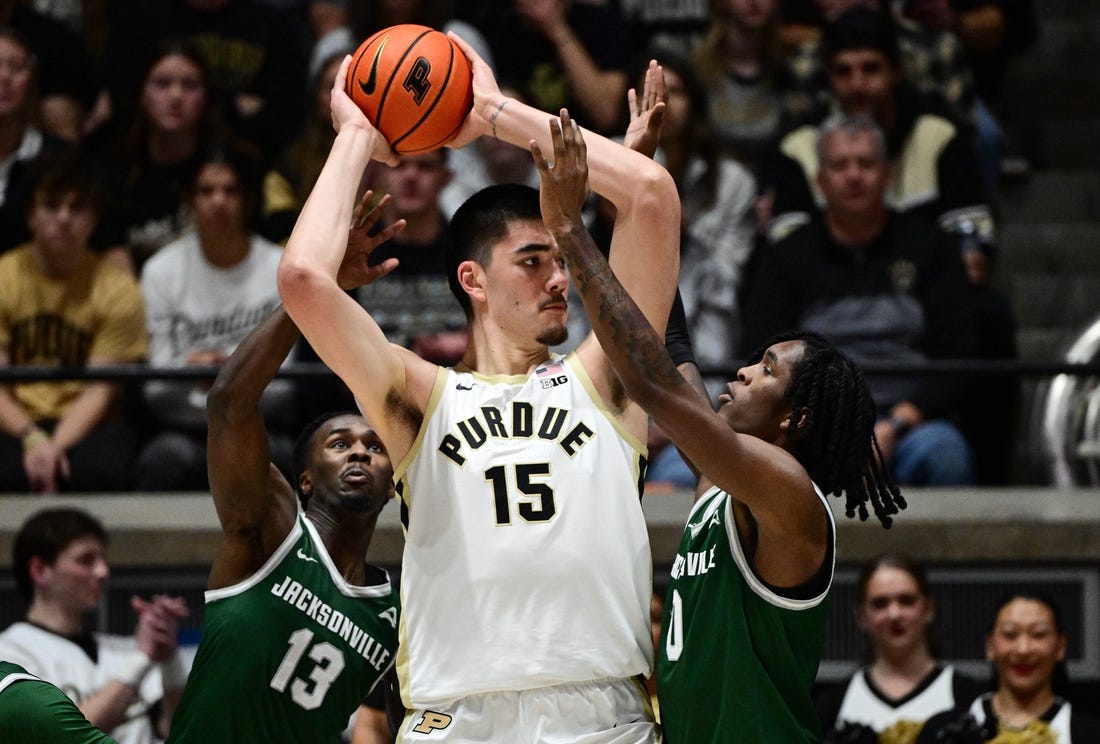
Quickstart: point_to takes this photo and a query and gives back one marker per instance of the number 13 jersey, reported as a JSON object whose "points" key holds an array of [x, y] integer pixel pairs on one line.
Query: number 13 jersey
{"points": [[288, 654], [527, 560]]}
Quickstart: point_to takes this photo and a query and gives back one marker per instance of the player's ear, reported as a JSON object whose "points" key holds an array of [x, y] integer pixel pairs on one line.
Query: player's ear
{"points": [[794, 425], [305, 483], [471, 277], [37, 568]]}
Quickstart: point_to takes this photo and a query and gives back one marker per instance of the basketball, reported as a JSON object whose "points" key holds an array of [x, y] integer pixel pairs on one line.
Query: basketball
{"points": [[414, 84]]}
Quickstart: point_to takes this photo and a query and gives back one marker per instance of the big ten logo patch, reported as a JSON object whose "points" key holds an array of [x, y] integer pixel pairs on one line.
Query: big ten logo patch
{"points": [[431, 722], [550, 382], [551, 375]]}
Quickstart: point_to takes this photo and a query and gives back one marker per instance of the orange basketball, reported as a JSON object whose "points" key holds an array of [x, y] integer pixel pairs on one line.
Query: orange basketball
{"points": [[414, 84]]}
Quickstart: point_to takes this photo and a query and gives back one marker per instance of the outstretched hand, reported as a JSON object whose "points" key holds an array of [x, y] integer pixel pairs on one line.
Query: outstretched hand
{"points": [[643, 133], [355, 269], [564, 185], [345, 113]]}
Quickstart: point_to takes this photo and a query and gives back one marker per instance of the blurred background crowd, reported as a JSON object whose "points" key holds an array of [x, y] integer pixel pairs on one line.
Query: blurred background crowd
{"points": [[868, 169]]}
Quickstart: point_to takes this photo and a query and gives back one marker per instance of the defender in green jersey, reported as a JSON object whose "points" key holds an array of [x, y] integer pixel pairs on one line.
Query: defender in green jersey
{"points": [[744, 618], [32, 711], [298, 628]]}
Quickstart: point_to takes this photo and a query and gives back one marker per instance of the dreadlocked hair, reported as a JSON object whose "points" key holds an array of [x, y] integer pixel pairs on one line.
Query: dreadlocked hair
{"points": [[837, 443], [302, 446]]}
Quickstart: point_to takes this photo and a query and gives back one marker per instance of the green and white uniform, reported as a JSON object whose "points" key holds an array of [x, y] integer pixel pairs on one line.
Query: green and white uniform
{"points": [[289, 654], [737, 658], [32, 711]]}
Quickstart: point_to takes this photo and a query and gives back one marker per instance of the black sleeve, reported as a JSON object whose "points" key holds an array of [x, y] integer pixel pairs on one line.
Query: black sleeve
{"points": [[677, 337]]}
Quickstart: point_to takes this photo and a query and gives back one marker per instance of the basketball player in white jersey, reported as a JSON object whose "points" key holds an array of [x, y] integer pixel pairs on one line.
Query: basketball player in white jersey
{"points": [[526, 575]]}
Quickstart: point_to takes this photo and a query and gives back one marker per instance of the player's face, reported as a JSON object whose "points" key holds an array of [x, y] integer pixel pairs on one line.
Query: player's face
{"points": [[62, 224], [218, 200], [15, 77], [350, 465], [174, 95], [1025, 646], [756, 402], [75, 580], [526, 284], [414, 184], [895, 614], [862, 80], [853, 174]]}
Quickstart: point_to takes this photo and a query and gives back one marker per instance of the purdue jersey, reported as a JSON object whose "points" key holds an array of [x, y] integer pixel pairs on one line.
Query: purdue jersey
{"points": [[736, 660], [36, 712], [288, 654], [526, 559]]}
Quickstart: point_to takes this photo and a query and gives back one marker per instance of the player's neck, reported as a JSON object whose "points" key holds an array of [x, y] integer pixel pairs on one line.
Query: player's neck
{"points": [[902, 672], [491, 352], [346, 540], [54, 617]]}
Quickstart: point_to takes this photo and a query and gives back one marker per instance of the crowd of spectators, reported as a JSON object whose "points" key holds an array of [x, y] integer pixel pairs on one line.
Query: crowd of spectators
{"points": [[148, 101]]}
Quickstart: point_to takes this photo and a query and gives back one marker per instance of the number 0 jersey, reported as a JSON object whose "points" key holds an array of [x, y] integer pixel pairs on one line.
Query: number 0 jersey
{"points": [[289, 654], [736, 660], [527, 558]]}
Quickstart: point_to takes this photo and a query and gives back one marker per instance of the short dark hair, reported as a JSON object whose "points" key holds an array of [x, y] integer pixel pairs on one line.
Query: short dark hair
{"points": [[45, 535], [837, 445], [300, 456], [482, 220], [55, 173], [861, 28]]}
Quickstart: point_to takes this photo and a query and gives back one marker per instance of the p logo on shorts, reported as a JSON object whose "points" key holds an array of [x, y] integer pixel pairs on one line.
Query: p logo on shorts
{"points": [[432, 721]]}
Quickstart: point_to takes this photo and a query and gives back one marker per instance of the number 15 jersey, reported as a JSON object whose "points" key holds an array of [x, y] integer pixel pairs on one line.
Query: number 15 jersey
{"points": [[527, 560]]}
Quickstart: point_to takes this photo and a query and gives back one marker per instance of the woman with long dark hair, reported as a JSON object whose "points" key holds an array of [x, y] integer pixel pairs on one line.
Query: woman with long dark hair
{"points": [[1026, 643]]}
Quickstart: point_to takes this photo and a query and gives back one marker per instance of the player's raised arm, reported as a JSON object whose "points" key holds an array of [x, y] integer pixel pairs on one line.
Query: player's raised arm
{"points": [[255, 504], [645, 247], [342, 332], [766, 478]]}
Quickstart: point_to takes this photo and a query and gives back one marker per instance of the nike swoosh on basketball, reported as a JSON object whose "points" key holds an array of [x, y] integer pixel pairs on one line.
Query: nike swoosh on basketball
{"points": [[305, 557], [372, 78]]}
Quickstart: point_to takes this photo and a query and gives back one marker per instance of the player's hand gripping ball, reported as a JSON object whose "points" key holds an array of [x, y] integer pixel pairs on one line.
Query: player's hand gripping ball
{"points": [[414, 84]]}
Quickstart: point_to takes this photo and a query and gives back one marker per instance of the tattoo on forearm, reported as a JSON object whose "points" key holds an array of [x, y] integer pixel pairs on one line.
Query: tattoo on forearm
{"points": [[493, 118], [615, 309]]}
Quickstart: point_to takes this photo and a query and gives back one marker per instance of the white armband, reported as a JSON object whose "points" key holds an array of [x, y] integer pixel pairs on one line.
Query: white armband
{"points": [[133, 668]]}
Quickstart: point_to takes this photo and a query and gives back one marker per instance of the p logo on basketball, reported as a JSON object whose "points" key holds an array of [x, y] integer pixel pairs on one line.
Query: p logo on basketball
{"points": [[415, 86], [432, 721]]}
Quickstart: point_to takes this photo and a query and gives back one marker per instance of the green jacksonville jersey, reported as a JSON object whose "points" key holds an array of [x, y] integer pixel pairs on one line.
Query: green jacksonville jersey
{"points": [[33, 711], [736, 660], [289, 654]]}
